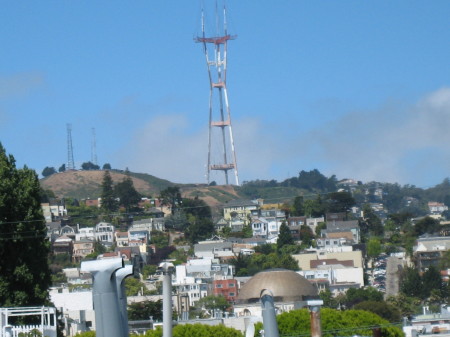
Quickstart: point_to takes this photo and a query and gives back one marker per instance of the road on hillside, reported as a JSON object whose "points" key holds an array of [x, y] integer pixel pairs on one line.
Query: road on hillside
{"points": [[394, 266]]}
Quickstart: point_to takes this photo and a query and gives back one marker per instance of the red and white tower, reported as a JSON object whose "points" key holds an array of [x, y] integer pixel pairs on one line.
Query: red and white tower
{"points": [[221, 151]]}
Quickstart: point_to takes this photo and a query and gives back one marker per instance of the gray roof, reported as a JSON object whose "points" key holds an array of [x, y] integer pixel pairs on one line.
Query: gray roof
{"points": [[240, 203], [342, 225], [208, 247]]}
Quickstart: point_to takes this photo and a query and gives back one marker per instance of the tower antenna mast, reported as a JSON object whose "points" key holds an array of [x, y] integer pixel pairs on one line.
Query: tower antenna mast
{"points": [[219, 108], [93, 148], [70, 161]]}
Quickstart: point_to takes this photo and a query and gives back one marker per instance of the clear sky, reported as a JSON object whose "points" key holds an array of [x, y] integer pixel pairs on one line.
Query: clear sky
{"points": [[359, 89]]}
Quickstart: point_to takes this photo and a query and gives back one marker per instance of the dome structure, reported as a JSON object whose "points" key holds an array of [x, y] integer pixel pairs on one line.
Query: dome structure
{"points": [[285, 285]]}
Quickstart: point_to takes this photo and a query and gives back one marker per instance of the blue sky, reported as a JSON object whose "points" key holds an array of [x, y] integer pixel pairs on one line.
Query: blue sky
{"points": [[359, 89]]}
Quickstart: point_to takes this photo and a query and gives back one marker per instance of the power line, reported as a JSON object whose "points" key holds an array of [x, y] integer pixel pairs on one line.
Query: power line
{"points": [[115, 214]]}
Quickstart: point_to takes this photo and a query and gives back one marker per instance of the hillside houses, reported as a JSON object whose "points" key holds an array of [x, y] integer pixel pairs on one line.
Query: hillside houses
{"points": [[78, 243]]}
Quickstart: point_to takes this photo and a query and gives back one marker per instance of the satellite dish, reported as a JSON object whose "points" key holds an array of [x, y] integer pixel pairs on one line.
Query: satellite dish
{"points": [[250, 331]]}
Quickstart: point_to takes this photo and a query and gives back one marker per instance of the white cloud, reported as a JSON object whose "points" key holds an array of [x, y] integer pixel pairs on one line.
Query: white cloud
{"points": [[396, 143], [164, 148]]}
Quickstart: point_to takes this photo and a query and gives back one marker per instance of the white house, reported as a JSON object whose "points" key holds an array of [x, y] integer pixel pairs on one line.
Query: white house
{"points": [[85, 233], [104, 233], [437, 207]]}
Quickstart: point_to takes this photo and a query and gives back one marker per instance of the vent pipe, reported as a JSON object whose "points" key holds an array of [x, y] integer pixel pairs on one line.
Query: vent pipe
{"points": [[167, 270], [269, 314], [107, 312], [121, 274]]}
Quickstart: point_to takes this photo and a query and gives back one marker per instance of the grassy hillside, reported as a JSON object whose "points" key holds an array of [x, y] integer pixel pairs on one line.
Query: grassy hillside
{"points": [[87, 184]]}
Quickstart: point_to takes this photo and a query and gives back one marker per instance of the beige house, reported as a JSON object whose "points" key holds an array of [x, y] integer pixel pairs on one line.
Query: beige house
{"points": [[310, 261], [82, 248], [241, 210]]}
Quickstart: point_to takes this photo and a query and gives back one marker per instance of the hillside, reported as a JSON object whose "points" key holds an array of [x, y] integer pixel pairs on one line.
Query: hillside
{"points": [[87, 184]]}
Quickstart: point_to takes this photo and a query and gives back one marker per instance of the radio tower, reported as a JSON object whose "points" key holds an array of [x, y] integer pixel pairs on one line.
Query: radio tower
{"points": [[219, 109], [93, 148], [70, 162]]}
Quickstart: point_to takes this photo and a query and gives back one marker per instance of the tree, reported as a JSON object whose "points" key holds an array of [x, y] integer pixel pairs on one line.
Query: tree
{"points": [[24, 271], [143, 310], [382, 309], [48, 171], [314, 207], [431, 280], [426, 225], [46, 195], [337, 202], [62, 168], [109, 202], [106, 166], [126, 192], [212, 302], [297, 207], [199, 330], [357, 295], [284, 237], [373, 248], [306, 235], [171, 197], [134, 287], [334, 323], [373, 225], [406, 305], [328, 299], [411, 283], [89, 166]]}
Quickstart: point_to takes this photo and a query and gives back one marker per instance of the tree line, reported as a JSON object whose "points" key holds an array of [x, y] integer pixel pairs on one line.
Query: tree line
{"points": [[86, 166]]}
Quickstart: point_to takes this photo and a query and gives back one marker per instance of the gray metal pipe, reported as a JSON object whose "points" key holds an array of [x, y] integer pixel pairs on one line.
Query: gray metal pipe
{"points": [[167, 269], [121, 274], [107, 313], [269, 314]]}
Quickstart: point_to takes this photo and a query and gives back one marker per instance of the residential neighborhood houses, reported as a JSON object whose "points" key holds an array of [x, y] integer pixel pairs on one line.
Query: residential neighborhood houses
{"points": [[334, 261]]}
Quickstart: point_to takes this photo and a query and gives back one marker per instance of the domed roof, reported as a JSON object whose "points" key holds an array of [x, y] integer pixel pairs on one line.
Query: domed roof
{"points": [[285, 285]]}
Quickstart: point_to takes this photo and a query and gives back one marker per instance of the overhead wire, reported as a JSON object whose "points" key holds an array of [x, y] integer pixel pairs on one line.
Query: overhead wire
{"points": [[219, 206]]}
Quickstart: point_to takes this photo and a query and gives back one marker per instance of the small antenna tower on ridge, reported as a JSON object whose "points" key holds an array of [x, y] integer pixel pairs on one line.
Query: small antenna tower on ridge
{"points": [[70, 162], [93, 148], [219, 109]]}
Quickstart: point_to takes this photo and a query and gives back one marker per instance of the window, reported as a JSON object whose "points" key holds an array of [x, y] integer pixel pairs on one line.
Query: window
{"points": [[218, 285], [231, 294], [231, 285]]}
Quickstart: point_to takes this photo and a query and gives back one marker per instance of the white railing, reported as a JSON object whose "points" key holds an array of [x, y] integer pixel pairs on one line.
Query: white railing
{"points": [[30, 331], [47, 316]]}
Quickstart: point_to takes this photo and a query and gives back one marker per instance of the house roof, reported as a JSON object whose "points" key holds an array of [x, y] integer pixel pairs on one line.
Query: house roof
{"points": [[85, 240], [432, 244], [349, 224], [208, 247], [63, 238], [327, 262], [240, 203]]}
